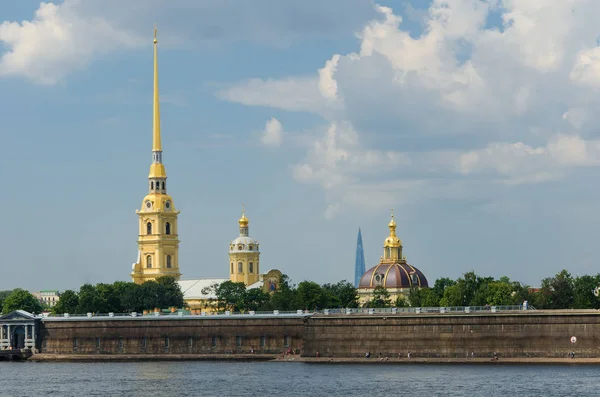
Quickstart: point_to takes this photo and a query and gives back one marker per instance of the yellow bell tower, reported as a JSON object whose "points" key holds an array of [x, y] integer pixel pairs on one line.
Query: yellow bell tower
{"points": [[244, 254], [158, 243]]}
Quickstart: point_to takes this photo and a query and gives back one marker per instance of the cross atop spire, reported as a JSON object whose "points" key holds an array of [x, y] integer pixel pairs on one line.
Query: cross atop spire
{"points": [[392, 210], [155, 31]]}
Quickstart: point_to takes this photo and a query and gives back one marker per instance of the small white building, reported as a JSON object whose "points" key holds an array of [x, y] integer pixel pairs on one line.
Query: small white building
{"points": [[18, 330]]}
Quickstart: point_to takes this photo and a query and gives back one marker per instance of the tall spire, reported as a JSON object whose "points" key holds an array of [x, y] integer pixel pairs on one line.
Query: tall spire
{"points": [[157, 169], [156, 144], [359, 265]]}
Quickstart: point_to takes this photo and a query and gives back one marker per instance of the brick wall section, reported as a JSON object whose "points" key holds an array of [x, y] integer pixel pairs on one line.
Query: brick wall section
{"points": [[193, 336], [530, 334]]}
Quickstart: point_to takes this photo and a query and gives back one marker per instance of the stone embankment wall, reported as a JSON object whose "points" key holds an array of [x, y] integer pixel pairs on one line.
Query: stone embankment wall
{"points": [[516, 334], [192, 335], [530, 334]]}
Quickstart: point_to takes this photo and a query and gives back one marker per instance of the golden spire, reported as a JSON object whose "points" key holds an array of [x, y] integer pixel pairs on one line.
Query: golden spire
{"points": [[392, 240], [156, 144], [243, 220], [157, 169]]}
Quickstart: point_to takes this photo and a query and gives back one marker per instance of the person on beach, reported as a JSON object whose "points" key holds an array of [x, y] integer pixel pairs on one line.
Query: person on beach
{"points": [[368, 355]]}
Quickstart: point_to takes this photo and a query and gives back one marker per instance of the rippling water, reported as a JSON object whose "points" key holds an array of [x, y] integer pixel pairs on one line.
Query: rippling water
{"points": [[294, 379]]}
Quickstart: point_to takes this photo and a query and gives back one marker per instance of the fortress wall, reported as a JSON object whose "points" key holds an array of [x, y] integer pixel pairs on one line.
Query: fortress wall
{"points": [[519, 334], [171, 335], [541, 334]]}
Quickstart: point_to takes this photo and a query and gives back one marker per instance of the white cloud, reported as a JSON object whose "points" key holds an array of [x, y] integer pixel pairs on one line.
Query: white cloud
{"points": [[273, 133], [506, 98], [57, 41], [327, 84], [296, 94], [66, 36]]}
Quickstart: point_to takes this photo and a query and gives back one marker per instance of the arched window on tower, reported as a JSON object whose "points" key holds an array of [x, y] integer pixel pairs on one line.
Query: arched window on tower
{"points": [[231, 267], [149, 228], [163, 185], [149, 261], [240, 267], [399, 253], [168, 228], [169, 261], [151, 185], [250, 267]]}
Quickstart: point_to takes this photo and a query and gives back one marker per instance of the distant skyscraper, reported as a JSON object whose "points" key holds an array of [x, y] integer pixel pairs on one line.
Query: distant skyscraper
{"points": [[359, 266]]}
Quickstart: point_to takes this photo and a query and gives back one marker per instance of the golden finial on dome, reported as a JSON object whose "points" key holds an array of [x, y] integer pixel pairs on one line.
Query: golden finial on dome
{"points": [[392, 223], [392, 240], [243, 220]]}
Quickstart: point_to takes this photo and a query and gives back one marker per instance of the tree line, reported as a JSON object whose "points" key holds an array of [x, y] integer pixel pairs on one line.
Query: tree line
{"points": [[119, 297], [561, 291]]}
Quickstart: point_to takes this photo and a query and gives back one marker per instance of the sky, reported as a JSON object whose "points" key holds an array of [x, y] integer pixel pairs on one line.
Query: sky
{"points": [[474, 119]]}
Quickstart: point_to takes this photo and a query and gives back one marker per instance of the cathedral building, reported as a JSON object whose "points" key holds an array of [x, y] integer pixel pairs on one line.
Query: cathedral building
{"points": [[158, 243], [244, 267], [392, 272]]}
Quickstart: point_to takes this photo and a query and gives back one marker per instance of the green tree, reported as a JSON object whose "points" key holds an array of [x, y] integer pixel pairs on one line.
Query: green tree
{"points": [[496, 293], [453, 296], [171, 294], [583, 292], [311, 295], [415, 297], [130, 297], [19, 299], [400, 302], [380, 299], [3, 295], [429, 298], [89, 300], [558, 290], [440, 286], [286, 297], [255, 299], [342, 294], [231, 296], [68, 303]]}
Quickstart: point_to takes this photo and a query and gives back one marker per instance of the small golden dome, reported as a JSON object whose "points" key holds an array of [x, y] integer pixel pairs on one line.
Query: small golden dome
{"points": [[392, 241], [243, 220]]}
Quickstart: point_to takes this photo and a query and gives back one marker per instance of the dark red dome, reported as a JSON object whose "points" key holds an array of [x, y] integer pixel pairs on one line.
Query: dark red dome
{"points": [[393, 275]]}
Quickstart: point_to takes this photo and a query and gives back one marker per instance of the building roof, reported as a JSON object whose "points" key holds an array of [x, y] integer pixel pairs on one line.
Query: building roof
{"points": [[198, 289], [393, 275]]}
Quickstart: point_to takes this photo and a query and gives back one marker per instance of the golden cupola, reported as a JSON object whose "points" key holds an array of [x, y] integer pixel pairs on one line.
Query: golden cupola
{"points": [[243, 220], [392, 247]]}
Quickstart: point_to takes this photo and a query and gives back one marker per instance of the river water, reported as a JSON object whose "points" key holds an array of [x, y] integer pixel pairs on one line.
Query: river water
{"points": [[225, 379]]}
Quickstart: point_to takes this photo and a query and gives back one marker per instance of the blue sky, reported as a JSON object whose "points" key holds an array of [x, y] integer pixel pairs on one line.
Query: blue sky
{"points": [[475, 119]]}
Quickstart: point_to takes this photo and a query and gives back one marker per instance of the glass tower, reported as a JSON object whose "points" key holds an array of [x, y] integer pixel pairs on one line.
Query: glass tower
{"points": [[359, 266]]}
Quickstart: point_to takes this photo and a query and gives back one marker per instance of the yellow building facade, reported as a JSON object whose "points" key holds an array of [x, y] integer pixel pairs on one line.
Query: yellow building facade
{"points": [[244, 255], [158, 242]]}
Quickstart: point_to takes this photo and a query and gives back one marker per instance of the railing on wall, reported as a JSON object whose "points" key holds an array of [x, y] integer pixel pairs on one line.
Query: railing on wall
{"points": [[297, 313]]}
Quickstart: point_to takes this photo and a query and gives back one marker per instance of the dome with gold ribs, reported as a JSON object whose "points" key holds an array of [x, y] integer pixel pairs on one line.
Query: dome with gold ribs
{"points": [[394, 275]]}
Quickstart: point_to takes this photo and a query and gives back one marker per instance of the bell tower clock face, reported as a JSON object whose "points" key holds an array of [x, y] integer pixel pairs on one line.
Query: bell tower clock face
{"points": [[148, 205], [168, 205]]}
